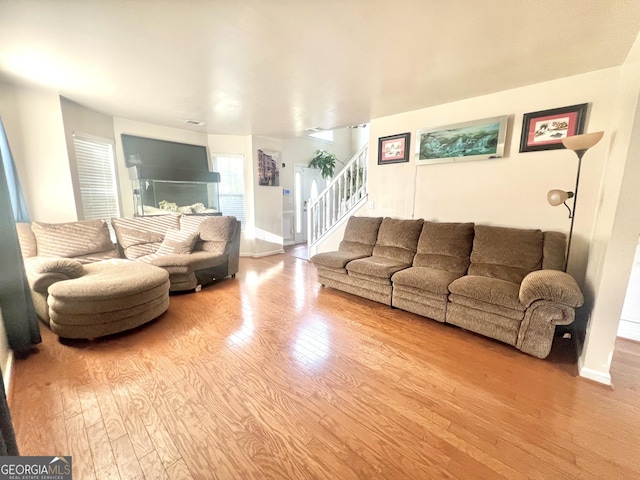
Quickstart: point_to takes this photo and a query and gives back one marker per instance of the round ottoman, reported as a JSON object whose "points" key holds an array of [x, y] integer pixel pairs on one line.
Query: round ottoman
{"points": [[111, 296]]}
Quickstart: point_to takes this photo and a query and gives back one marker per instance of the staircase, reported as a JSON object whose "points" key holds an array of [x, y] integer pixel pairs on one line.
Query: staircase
{"points": [[344, 194]]}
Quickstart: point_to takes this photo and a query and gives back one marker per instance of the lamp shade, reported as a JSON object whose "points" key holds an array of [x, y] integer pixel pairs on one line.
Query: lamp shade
{"points": [[582, 142], [558, 197]]}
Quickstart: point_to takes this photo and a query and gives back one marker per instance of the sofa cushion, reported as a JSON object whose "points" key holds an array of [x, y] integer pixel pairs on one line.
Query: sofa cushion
{"points": [[360, 235], [429, 279], [506, 253], [553, 253], [191, 223], [376, 267], [71, 239], [184, 263], [335, 259], [488, 290], [27, 240], [135, 231], [218, 229], [177, 242], [398, 240], [445, 246]]}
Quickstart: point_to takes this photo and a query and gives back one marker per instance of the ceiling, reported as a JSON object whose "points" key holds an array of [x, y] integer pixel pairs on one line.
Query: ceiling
{"points": [[278, 67]]}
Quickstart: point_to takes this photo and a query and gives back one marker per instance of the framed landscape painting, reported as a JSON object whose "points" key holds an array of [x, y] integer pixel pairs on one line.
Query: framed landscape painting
{"points": [[394, 148], [544, 130], [475, 140]]}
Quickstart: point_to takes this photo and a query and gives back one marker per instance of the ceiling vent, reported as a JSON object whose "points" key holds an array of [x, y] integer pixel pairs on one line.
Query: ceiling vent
{"points": [[192, 122]]}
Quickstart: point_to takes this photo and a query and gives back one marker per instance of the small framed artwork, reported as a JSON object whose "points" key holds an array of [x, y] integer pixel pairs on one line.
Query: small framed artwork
{"points": [[268, 174], [544, 130], [394, 148]]}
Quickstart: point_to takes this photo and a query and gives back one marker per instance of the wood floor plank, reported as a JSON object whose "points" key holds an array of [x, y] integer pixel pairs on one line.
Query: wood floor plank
{"points": [[126, 460], [110, 415], [270, 376], [133, 423], [153, 468], [90, 406], [102, 452], [79, 448], [179, 471], [156, 430]]}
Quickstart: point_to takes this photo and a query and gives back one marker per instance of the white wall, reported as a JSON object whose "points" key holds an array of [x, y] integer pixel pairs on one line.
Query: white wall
{"points": [[33, 121], [617, 226], [268, 238]]}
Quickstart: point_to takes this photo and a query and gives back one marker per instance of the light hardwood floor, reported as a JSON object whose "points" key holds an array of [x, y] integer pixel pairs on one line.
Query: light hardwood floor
{"points": [[271, 376]]}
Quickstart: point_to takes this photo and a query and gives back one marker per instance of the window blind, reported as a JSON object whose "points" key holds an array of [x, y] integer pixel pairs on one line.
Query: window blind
{"points": [[231, 186], [96, 177]]}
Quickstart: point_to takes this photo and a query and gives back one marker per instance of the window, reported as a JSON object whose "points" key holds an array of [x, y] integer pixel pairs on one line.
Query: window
{"points": [[231, 187], [96, 173], [326, 135]]}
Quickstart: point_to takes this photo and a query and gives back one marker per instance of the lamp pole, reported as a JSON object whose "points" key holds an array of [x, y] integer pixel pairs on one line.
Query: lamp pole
{"points": [[579, 153]]}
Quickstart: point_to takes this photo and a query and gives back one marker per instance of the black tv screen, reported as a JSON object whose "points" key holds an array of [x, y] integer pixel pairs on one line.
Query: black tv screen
{"points": [[150, 152]]}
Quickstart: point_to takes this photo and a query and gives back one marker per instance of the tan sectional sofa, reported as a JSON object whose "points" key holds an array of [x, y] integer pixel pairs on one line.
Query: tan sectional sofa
{"points": [[193, 249], [82, 288], [504, 283]]}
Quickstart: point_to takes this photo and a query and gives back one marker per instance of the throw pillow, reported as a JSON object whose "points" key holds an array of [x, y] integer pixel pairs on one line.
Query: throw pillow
{"points": [[177, 242]]}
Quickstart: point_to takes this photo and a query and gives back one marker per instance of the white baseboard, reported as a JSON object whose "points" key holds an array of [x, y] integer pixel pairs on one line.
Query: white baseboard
{"points": [[595, 375], [6, 375], [267, 254], [629, 329], [263, 254]]}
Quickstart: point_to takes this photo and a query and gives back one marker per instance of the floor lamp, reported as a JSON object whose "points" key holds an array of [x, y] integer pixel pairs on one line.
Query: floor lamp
{"points": [[579, 144]]}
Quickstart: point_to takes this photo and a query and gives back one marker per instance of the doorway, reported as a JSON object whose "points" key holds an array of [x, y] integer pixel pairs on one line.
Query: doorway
{"points": [[308, 183]]}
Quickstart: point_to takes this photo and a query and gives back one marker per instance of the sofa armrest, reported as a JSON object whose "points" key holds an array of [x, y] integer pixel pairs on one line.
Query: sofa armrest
{"points": [[550, 285], [42, 272]]}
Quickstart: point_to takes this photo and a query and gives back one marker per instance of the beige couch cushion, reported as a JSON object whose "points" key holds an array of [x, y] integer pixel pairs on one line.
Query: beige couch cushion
{"points": [[394, 249], [376, 267], [429, 279], [27, 240], [487, 290], [191, 223], [398, 240], [553, 254], [335, 259], [218, 229], [506, 253], [141, 231], [71, 239], [445, 246], [177, 242], [360, 235]]}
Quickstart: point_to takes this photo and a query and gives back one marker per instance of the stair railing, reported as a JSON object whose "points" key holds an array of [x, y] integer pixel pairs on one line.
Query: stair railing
{"points": [[340, 196]]}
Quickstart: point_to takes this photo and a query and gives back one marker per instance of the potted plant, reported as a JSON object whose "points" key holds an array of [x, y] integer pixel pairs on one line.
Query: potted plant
{"points": [[325, 162]]}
